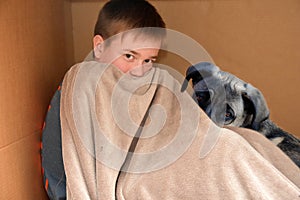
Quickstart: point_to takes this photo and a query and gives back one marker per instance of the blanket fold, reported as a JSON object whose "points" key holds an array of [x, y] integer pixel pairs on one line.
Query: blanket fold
{"points": [[179, 152]]}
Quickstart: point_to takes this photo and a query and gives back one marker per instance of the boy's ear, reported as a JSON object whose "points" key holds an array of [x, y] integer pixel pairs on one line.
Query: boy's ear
{"points": [[97, 41]]}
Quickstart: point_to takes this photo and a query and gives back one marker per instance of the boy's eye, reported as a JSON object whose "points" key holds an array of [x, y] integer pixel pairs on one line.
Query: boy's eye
{"points": [[129, 56], [149, 60]]}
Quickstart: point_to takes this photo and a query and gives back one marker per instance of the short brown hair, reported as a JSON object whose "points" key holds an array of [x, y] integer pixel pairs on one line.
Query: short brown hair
{"points": [[121, 15]]}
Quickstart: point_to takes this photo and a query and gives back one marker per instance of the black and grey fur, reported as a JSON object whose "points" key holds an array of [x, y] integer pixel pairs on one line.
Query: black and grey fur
{"points": [[228, 100]]}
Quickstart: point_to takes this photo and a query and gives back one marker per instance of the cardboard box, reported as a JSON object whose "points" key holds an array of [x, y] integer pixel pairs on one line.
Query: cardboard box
{"points": [[39, 40]]}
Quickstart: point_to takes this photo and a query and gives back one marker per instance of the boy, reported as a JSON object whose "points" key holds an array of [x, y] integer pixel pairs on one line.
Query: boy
{"points": [[116, 16]]}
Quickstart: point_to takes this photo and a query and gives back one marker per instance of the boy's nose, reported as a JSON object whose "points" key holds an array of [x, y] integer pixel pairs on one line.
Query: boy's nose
{"points": [[140, 70]]}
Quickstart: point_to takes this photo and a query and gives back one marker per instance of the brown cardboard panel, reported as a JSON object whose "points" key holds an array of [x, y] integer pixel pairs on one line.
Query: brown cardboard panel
{"points": [[69, 44], [20, 170], [32, 62]]}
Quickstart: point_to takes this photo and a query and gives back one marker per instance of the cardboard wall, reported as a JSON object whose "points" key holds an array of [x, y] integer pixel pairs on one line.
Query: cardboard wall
{"points": [[34, 55], [256, 40], [39, 40]]}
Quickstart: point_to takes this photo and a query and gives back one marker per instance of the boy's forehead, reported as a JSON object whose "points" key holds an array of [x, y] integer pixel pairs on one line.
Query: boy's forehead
{"points": [[137, 41]]}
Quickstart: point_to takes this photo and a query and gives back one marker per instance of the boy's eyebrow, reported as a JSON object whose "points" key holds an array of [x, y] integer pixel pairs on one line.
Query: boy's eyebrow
{"points": [[137, 53]]}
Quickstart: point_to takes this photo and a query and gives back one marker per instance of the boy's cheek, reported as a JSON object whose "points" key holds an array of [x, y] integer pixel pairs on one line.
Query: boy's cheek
{"points": [[121, 65]]}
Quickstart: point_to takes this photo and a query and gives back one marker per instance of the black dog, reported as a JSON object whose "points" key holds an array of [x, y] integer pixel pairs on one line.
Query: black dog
{"points": [[228, 100]]}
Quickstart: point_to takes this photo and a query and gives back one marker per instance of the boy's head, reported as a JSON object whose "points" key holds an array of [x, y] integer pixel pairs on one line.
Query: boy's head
{"points": [[120, 15], [122, 23]]}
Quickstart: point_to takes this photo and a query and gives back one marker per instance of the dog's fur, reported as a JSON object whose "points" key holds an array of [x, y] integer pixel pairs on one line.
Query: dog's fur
{"points": [[230, 101]]}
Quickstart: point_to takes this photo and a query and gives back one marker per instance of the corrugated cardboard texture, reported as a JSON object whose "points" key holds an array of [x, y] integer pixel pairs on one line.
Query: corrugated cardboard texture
{"points": [[21, 170], [34, 57], [256, 40]]}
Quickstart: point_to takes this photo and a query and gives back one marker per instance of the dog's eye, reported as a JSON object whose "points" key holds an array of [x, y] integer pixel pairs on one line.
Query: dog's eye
{"points": [[229, 115], [203, 98]]}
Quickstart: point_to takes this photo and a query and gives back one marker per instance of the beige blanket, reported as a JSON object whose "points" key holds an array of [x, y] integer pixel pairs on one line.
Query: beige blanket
{"points": [[180, 153]]}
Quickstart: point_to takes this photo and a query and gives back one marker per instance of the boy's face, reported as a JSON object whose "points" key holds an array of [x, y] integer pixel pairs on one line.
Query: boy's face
{"points": [[132, 54]]}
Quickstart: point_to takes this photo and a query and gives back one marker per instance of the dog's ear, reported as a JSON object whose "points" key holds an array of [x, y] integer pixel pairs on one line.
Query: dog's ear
{"points": [[198, 72], [255, 105]]}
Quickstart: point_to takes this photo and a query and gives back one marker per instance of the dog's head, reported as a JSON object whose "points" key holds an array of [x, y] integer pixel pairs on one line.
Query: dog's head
{"points": [[226, 99]]}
